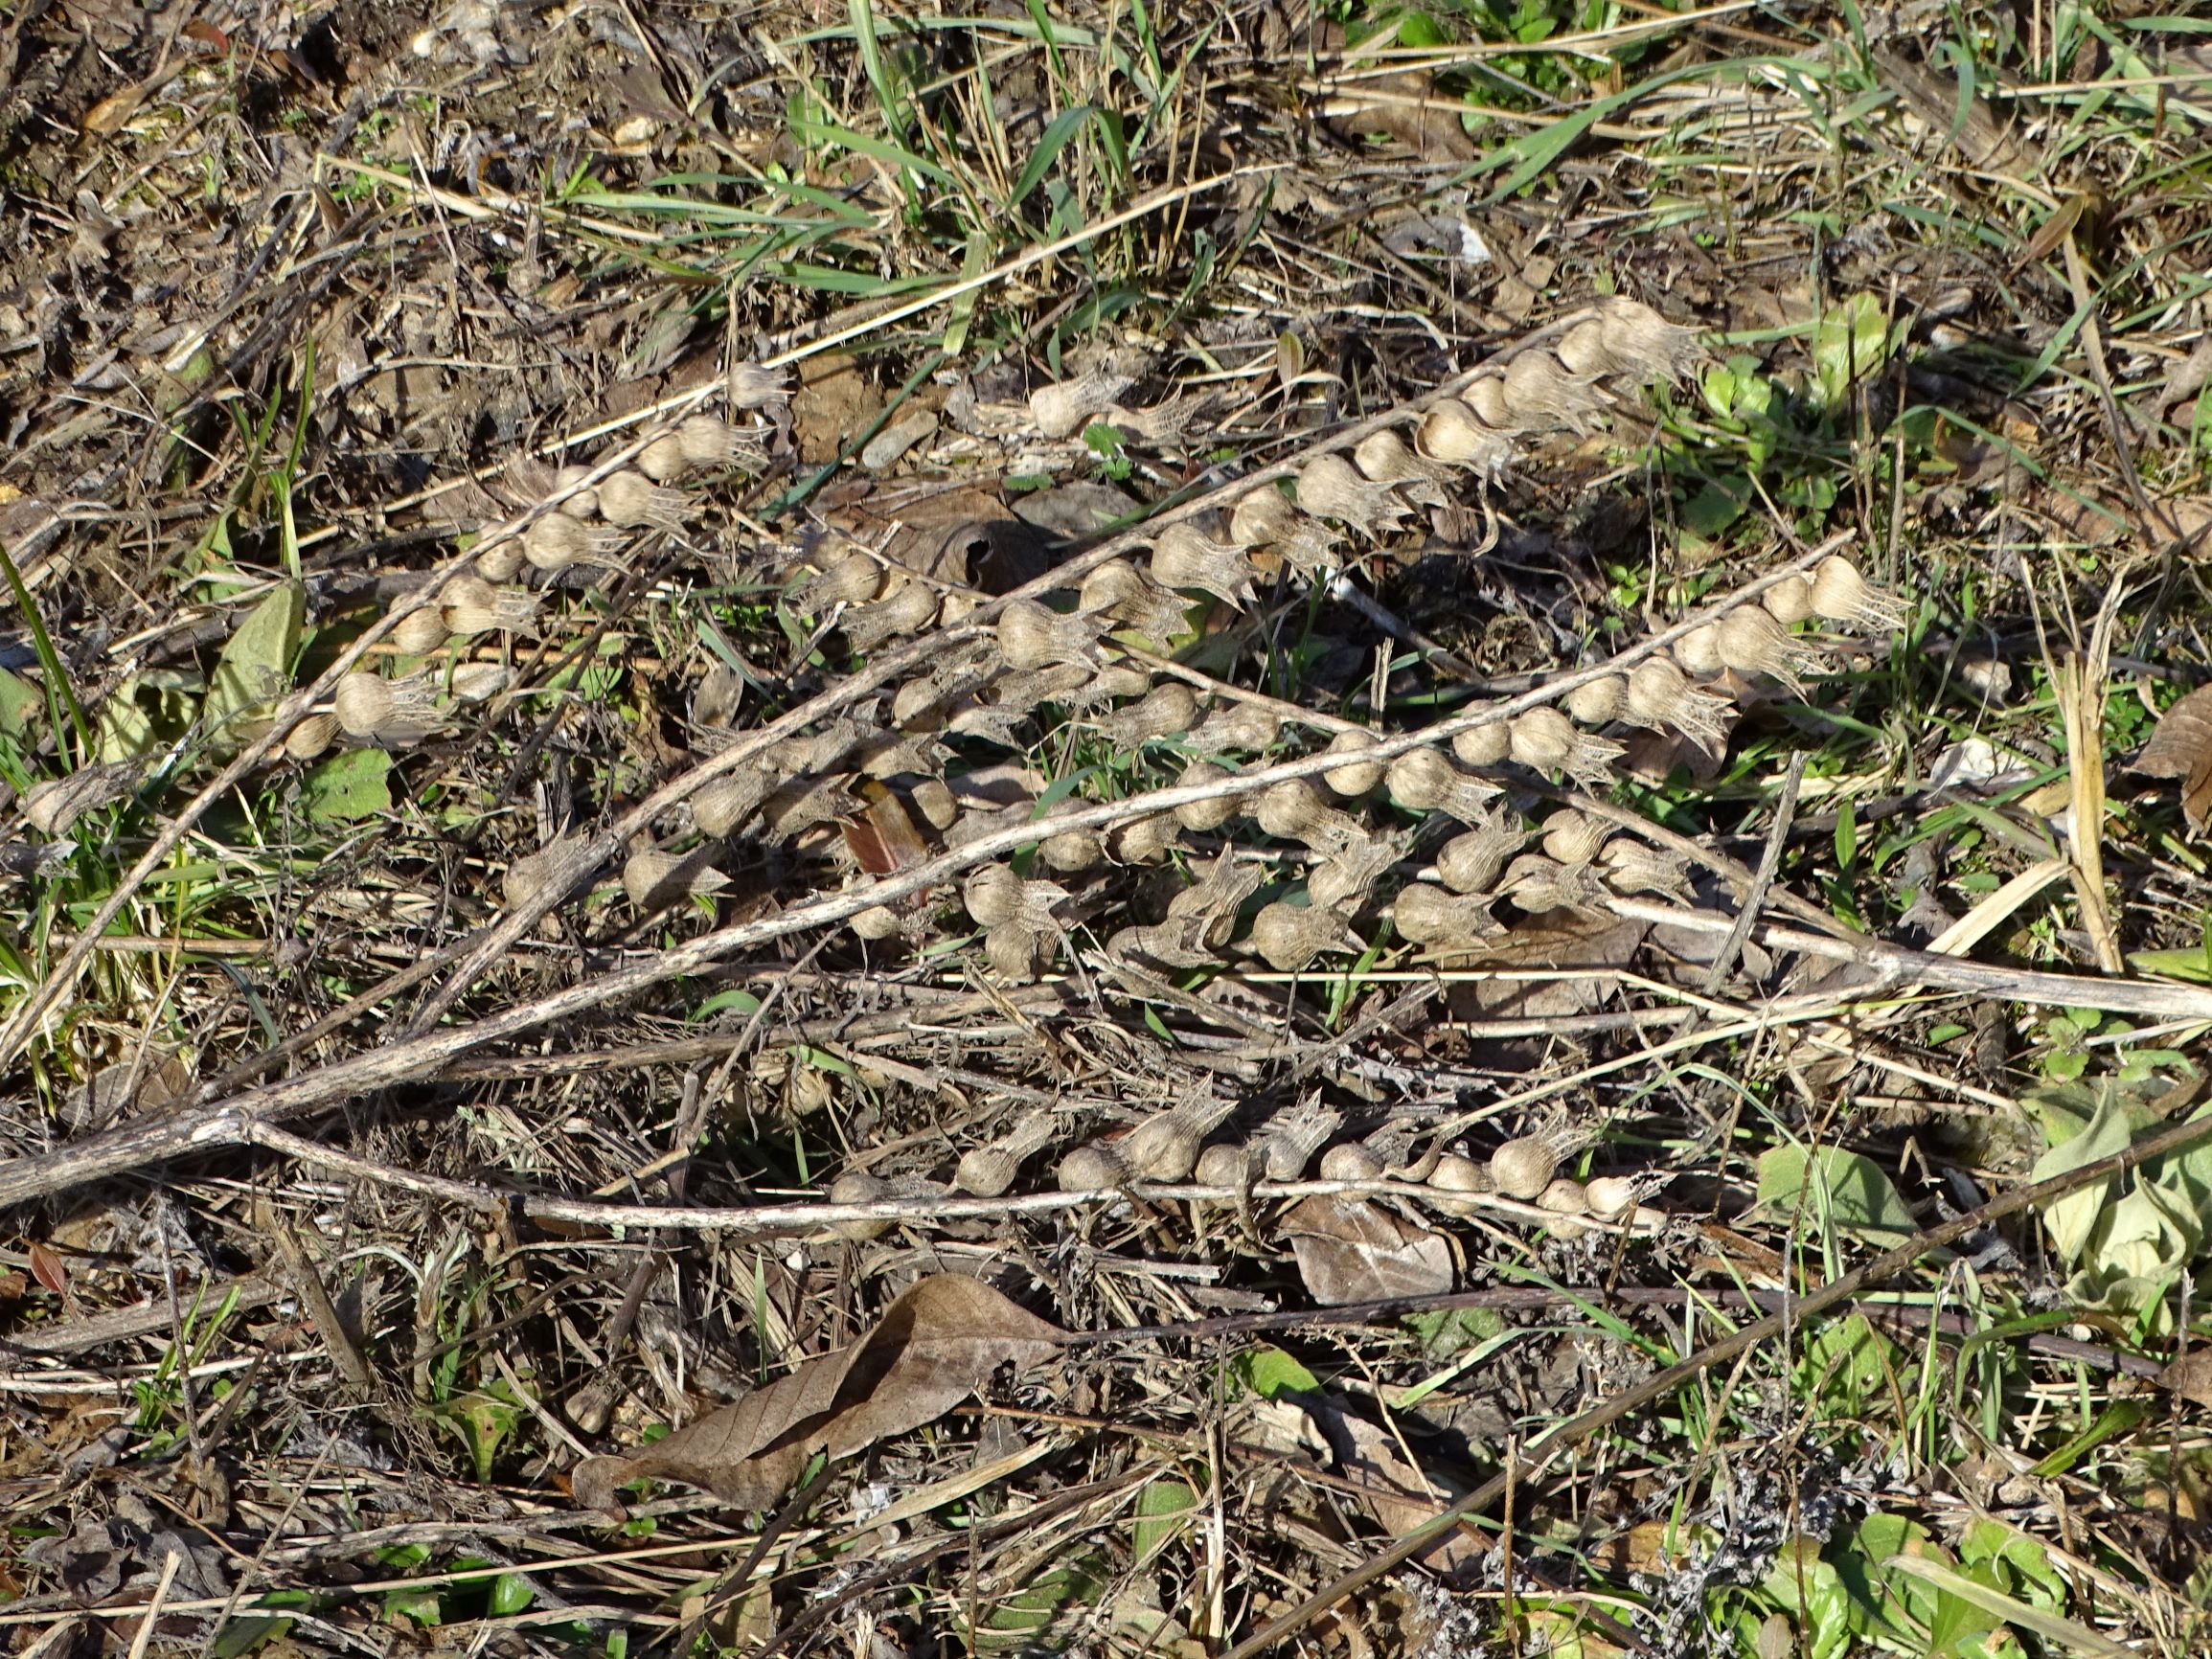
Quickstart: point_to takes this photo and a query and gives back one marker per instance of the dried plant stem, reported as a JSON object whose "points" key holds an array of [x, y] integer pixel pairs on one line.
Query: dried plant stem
{"points": [[1544, 1449]]}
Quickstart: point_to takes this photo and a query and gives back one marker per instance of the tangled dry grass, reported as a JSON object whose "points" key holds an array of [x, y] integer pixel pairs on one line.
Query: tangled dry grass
{"points": [[1140, 830]]}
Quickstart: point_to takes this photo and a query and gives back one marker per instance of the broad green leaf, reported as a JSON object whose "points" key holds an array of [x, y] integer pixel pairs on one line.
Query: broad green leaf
{"points": [[1270, 1371], [349, 787], [242, 1635], [256, 665], [1163, 1511], [1834, 1187], [148, 712], [1851, 343], [511, 1594], [2064, 1632], [2072, 1221]]}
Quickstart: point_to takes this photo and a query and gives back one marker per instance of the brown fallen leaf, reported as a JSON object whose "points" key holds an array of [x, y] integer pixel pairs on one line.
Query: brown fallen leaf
{"points": [[2191, 1375], [933, 1347], [1399, 1496], [1351, 1250], [2181, 747]]}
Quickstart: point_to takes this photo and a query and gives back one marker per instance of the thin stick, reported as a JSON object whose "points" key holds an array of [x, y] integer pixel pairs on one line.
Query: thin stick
{"points": [[1762, 880]]}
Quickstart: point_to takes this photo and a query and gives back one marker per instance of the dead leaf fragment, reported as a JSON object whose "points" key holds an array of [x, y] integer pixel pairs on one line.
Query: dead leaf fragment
{"points": [[934, 1346], [1397, 1494], [1351, 1250], [2181, 747]]}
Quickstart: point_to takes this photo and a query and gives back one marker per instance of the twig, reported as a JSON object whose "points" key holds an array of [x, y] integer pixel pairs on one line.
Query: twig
{"points": [[1540, 1452], [1762, 879]]}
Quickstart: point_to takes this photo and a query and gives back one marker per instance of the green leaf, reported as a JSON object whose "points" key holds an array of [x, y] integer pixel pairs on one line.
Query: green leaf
{"points": [[256, 665], [243, 1635], [2073, 1220], [19, 701], [349, 787], [1833, 1186], [1163, 1511], [1064, 126], [2063, 1633], [1850, 343], [511, 1594], [1269, 1372]]}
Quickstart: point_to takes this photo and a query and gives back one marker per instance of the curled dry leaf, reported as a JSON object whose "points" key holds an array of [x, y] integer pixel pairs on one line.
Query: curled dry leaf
{"points": [[2181, 747], [934, 1346], [1351, 1250]]}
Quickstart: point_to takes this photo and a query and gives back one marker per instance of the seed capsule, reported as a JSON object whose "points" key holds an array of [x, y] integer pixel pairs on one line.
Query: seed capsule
{"points": [[1265, 518], [1361, 776], [721, 805], [1611, 1197], [1290, 1142], [1294, 810], [1471, 863], [1524, 1167], [472, 605], [1288, 937], [1484, 746], [1061, 409], [1165, 1146], [311, 737], [1424, 781], [1091, 1169], [991, 1170], [663, 460], [1425, 914], [1184, 558], [1341, 882], [1144, 840], [1753, 643], [907, 608], [636, 502], [1661, 696], [1223, 1164], [1121, 592], [555, 541], [1457, 1174], [420, 632], [1542, 393], [1207, 814], [1790, 600], [1384, 457], [1574, 837], [1698, 650], [1032, 636], [709, 442], [1331, 486], [1599, 701], [1350, 1160], [1565, 1199], [1165, 710], [1840, 594], [1453, 431], [854, 578], [582, 499], [1234, 726]]}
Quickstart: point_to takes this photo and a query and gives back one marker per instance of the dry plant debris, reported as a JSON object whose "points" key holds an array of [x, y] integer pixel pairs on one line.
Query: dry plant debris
{"points": [[1136, 830]]}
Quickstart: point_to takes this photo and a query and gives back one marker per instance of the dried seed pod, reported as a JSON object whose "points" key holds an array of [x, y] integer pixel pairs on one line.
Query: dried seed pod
{"points": [[1425, 914], [663, 460], [1574, 837], [995, 897], [636, 502], [1293, 1138], [989, 1171], [1582, 351], [1176, 942], [876, 922], [1424, 781], [1223, 1165], [1350, 1160], [854, 578], [1264, 517], [1698, 650], [858, 1188], [1471, 863], [1288, 937], [1790, 600], [1546, 740], [1484, 746], [1018, 954], [1538, 883], [502, 560], [1162, 712], [1210, 813], [1452, 431], [1455, 1173], [1213, 901], [472, 605], [1611, 1197], [1359, 777], [1753, 643], [1541, 392], [750, 385], [1565, 1199], [1091, 1169], [1144, 840], [723, 804], [709, 442], [799, 804], [1331, 486], [479, 682], [1632, 867], [1840, 594], [1074, 850], [396, 711], [1341, 882], [907, 608], [1032, 636], [1661, 696], [420, 632], [311, 737], [1599, 701], [555, 541], [1642, 345], [1184, 558], [1124, 594], [654, 879], [1064, 408], [1295, 810], [1234, 726], [1165, 1146], [1487, 397], [52, 806], [555, 865], [1524, 1167], [1385, 457], [582, 499], [1109, 685]]}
